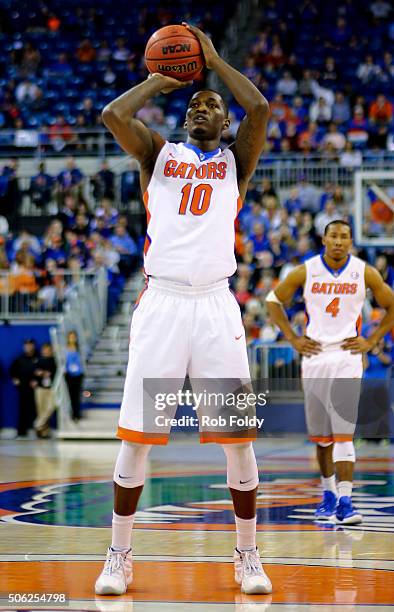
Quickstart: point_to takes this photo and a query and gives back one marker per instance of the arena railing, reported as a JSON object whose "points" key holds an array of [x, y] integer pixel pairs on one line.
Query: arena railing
{"points": [[284, 174], [44, 143], [276, 366], [26, 295], [287, 172], [60, 389]]}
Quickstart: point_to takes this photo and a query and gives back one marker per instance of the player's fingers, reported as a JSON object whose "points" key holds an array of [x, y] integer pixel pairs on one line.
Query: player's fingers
{"points": [[348, 341], [312, 342], [189, 27], [350, 344], [308, 351], [312, 345]]}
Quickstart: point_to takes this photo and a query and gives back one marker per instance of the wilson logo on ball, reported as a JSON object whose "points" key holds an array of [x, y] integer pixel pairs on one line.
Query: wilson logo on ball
{"points": [[178, 68], [174, 51], [180, 48]]}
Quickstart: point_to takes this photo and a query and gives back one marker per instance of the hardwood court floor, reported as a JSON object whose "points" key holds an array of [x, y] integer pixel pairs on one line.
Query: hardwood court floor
{"points": [[56, 506]]}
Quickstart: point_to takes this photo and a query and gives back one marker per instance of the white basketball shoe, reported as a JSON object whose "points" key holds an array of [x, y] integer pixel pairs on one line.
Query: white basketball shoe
{"points": [[117, 573], [249, 572]]}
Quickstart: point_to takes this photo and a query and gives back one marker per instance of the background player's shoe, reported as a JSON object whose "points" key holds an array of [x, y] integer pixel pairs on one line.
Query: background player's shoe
{"points": [[249, 572], [327, 508], [346, 513], [117, 573]]}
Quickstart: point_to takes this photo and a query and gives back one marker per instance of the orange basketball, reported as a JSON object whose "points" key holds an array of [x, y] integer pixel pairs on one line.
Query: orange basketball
{"points": [[381, 213], [174, 51]]}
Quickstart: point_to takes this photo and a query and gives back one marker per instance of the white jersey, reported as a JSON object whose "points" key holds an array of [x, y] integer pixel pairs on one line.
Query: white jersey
{"points": [[334, 300], [192, 201]]}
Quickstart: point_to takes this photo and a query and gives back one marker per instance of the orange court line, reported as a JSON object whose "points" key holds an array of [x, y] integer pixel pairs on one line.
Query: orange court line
{"points": [[261, 503], [4, 512], [24, 484], [287, 459], [202, 583], [224, 527]]}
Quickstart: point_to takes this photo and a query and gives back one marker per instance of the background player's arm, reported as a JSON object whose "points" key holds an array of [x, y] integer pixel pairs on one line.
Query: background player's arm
{"points": [[132, 135], [284, 292], [251, 133], [384, 296]]}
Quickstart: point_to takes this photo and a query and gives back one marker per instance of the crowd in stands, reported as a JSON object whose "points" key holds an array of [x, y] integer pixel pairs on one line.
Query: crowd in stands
{"points": [[61, 63], [274, 233], [46, 190], [44, 270], [328, 70]]}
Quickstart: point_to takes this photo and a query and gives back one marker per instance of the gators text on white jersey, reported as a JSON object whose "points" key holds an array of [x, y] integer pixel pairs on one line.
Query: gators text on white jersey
{"points": [[192, 201], [334, 299]]}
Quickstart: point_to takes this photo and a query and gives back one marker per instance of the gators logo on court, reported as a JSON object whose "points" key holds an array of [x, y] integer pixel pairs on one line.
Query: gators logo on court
{"points": [[189, 503]]}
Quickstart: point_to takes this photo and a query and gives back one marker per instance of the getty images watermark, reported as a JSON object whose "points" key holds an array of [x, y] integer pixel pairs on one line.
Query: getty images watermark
{"points": [[224, 406], [240, 401]]}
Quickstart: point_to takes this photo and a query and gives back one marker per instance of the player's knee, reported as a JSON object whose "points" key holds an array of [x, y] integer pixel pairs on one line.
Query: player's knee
{"points": [[325, 444], [344, 451], [131, 464], [242, 472]]}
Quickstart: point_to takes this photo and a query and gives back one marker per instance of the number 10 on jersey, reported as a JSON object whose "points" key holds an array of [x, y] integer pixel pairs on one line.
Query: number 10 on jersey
{"points": [[197, 201]]}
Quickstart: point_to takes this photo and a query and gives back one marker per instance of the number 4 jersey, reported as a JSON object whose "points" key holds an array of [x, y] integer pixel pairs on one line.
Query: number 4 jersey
{"points": [[334, 300], [192, 201]]}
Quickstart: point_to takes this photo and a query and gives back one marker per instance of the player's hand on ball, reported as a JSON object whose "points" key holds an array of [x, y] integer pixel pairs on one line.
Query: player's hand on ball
{"points": [[168, 84], [357, 345], [209, 51], [306, 346]]}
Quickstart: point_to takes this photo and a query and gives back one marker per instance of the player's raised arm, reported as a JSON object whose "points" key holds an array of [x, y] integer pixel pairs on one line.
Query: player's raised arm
{"points": [[251, 133], [132, 135], [384, 296], [283, 294]]}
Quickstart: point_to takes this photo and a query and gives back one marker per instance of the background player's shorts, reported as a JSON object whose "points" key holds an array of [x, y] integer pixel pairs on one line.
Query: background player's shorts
{"points": [[332, 383], [178, 330]]}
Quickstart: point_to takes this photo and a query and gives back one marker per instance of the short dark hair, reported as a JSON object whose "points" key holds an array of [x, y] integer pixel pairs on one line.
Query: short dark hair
{"points": [[338, 222], [224, 104]]}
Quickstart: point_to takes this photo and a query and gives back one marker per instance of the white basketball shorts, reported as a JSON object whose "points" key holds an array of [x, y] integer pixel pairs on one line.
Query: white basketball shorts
{"points": [[178, 330], [332, 384]]}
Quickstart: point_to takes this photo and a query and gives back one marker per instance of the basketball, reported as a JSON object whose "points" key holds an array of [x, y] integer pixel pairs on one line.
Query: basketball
{"points": [[381, 213], [174, 51]]}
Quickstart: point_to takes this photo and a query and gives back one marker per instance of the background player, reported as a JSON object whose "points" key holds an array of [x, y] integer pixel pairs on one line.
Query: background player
{"points": [[187, 320], [334, 292]]}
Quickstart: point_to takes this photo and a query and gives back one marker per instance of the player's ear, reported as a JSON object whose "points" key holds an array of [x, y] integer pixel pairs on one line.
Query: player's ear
{"points": [[185, 124], [323, 240], [226, 124]]}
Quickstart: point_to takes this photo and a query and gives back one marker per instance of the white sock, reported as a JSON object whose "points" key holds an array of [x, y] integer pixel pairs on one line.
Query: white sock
{"points": [[121, 532], [246, 533], [345, 488], [329, 484]]}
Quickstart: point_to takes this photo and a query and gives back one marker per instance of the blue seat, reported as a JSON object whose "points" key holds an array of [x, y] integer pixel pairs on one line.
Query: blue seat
{"points": [[32, 122]]}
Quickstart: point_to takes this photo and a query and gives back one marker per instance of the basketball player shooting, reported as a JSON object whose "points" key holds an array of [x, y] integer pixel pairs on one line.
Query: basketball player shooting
{"points": [[334, 287], [187, 320]]}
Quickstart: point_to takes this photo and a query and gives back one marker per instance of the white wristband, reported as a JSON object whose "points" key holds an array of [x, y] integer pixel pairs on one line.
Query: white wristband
{"points": [[271, 297]]}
